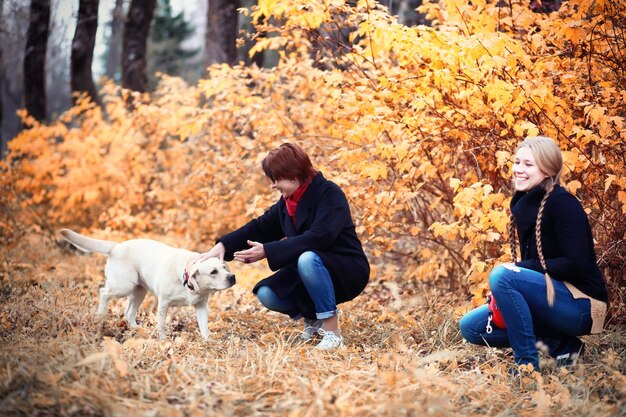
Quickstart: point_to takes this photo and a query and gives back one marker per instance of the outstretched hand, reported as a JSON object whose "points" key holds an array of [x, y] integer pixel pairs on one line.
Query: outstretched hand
{"points": [[254, 254]]}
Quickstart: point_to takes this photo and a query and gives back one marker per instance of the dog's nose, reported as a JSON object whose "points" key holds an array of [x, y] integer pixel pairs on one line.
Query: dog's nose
{"points": [[231, 279]]}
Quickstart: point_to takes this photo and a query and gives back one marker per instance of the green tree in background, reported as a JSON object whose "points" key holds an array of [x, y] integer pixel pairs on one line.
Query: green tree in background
{"points": [[166, 53]]}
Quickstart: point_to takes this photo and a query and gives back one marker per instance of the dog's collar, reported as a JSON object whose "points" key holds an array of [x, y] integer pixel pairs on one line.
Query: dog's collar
{"points": [[187, 280]]}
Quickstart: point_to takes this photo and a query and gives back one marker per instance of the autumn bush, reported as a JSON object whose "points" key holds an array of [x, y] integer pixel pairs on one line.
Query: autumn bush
{"points": [[417, 124]]}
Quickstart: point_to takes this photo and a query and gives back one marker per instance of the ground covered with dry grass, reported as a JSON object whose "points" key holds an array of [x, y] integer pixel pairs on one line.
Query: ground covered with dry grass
{"points": [[403, 355]]}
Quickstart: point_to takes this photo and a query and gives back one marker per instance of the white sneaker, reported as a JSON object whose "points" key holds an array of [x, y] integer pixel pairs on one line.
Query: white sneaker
{"points": [[329, 340], [311, 328]]}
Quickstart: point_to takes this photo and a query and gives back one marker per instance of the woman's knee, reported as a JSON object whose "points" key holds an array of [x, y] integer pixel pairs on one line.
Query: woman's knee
{"points": [[468, 329], [307, 259], [499, 277], [266, 296], [309, 263]]}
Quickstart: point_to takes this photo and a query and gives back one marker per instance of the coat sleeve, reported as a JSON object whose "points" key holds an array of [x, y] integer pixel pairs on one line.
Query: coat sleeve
{"points": [[571, 229], [332, 215], [265, 228]]}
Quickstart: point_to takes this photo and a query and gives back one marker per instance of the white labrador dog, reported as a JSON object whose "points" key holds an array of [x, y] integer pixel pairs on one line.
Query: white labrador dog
{"points": [[135, 266]]}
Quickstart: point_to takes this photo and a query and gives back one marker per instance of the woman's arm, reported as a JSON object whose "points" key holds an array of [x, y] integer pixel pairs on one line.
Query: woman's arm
{"points": [[265, 228], [571, 231], [332, 215]]}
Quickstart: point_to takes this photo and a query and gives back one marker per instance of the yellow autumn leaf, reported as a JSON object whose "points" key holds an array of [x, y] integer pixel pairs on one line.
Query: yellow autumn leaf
{"points": [[573, 186], [454, 183], [526, 128], [608, 181]]}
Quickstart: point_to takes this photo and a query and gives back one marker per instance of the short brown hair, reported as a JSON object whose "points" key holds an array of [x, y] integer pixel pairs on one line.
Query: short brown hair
{"points": [[288, 161]]}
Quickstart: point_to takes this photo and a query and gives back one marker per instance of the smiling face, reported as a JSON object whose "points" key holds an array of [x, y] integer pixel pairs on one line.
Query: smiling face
{"points": [[288, 167], [526, 173], [286, 187]]}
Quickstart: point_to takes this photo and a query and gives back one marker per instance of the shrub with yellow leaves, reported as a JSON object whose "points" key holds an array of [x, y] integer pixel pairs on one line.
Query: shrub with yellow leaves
{"points": [[417, 124]]}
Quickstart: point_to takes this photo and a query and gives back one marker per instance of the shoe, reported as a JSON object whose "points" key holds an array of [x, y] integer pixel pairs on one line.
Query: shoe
{"points": [[311, 328], [329, 340], [570, 359]]}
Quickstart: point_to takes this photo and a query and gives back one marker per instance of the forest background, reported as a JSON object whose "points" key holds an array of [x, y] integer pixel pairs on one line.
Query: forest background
{"points": [[416, 122]]}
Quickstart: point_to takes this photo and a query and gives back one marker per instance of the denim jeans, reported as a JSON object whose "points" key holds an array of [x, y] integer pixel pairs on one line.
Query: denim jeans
{"points": [[521, 298], [316, 280]]}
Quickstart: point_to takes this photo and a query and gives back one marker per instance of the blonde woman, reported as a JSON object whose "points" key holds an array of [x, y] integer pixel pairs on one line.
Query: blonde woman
{"points": [[556, 292]]}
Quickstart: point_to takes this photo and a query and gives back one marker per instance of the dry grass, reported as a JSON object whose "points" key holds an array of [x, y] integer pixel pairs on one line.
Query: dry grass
{"points": [[56, 359]]}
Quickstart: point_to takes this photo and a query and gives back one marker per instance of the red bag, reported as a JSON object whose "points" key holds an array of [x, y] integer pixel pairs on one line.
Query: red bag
{"points": [[495, 315]]}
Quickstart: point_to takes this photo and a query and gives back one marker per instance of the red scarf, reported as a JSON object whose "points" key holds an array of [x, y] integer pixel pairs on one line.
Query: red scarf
{"points": [[292, 202]]}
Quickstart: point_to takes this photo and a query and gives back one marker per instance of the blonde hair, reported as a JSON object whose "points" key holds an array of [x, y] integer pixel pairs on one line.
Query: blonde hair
{"points": [[549, 160], [548, 157]]}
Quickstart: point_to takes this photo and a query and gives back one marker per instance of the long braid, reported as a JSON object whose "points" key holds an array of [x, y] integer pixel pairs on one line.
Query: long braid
{"points": [[512, 239], [542, 260]]}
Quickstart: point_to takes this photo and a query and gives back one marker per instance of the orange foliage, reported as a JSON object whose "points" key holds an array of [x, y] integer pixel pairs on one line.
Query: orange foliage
{"points": [[417, 124]]}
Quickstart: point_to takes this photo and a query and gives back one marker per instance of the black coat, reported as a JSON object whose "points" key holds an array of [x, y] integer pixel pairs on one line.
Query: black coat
{"points": [[323, 225], [565, 236]]}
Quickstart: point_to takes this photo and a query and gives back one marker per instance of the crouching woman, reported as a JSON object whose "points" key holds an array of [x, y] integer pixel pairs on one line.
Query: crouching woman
{"points": [[309, 239], [556, 293]]}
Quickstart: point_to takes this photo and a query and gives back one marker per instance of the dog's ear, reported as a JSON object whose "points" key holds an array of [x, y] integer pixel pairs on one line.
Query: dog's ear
{"points": [[191, 271], [193, 268]]}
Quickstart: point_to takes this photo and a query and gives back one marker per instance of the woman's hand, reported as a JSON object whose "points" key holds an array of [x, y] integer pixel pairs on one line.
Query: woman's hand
{"points": [[254, 254], [218, 251], [511, 267]]}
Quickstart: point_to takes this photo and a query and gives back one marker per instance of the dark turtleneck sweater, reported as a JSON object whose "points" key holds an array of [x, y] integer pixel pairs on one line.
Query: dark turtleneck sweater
{"points": [[566, 239]]}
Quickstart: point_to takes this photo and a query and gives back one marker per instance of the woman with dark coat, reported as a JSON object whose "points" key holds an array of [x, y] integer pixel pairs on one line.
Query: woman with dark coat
{"points": [[556, 292], [309, 239]]}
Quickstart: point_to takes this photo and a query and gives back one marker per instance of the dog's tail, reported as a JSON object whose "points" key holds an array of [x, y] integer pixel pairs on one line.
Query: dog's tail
{"points": [[87, 244]]}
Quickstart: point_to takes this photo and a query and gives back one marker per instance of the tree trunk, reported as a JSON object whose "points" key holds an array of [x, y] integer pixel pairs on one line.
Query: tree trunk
{"points": [[35, 59], [58, 55], [13, 32], [245, 26], [3, 139], [115, 40], [221, 33], [82, 49], [136, 32]]}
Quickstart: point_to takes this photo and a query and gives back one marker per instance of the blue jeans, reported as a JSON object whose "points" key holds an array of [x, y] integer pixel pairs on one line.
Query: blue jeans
{"points": [[316, 280], [521, 298]]}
